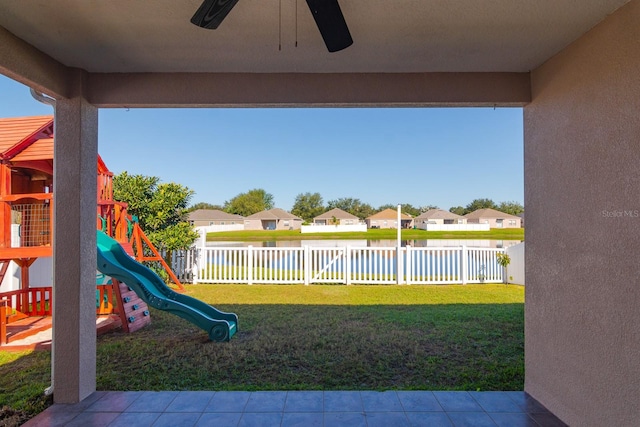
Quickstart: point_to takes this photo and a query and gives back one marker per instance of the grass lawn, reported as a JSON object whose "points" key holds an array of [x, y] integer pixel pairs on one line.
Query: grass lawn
{"points": [[23, 378], [371, 234], [295, 337]]}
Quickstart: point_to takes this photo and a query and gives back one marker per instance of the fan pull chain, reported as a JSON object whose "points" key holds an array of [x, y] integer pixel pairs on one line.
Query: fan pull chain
{"points": [[279, 25], [296, 23]]}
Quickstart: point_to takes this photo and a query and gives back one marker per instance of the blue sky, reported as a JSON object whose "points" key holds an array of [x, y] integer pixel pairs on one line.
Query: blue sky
{"points": [[427, 156]]}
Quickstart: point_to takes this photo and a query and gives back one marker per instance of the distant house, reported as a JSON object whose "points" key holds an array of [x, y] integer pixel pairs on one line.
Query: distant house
{"points": [[494, 218], [338, 215], [204, 217], [438, 216], [388, 218], [272, 219]]}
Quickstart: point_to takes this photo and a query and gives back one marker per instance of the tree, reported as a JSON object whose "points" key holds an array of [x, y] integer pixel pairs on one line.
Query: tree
{"points": [[458, 210], [204, 205], [160, 208], [409, 209], [137, 191], [513, 208], [253, 201], [480, 204], [353, 206], [387, 206], [504, 260], [308, 206], [426, 208], [405, 208]]}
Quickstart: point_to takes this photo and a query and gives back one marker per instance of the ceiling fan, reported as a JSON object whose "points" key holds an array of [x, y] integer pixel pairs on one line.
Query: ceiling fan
{"points": [[326, 13]]}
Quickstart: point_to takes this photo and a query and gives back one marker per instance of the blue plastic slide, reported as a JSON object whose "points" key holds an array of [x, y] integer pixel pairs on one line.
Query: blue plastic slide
{"points": [[115, 262]]}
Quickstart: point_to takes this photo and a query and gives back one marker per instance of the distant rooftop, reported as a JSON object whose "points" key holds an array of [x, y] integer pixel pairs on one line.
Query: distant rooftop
{"points": [[212, 215], [275, 213], [338, 213], [438, 214], [389, 214], [489, 213]]}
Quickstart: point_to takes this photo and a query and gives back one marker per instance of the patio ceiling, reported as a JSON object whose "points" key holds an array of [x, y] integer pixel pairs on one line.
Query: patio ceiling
{"points": [[123, 44], [118, 36]]}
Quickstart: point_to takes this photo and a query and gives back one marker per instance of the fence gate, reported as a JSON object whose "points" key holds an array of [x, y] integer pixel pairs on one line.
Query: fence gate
{"points": [[326, 265]]}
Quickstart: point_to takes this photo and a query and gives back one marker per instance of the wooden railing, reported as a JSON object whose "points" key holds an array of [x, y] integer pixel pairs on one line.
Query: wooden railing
{"points": [[31, 302], [105, 186], [104, 300], [112, 219], [3, 322], [39, 301], [24, 302]]}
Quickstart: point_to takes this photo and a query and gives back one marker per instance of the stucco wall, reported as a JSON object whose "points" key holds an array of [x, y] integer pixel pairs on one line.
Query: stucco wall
{"points": [[253, 224], [382, 223], [289, 224], [582, 193]]}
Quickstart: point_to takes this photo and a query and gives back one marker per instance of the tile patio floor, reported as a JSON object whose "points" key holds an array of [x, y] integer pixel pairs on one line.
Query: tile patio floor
{"points": [[301, 408]]}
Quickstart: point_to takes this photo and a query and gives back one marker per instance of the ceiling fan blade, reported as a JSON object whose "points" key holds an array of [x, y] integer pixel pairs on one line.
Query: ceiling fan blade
{"points": [[212, 12], [331, 24]]}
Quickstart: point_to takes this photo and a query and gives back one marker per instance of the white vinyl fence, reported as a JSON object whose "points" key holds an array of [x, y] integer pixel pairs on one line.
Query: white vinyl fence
{"points": [[184, 265], [339, 265], [515, 270]]}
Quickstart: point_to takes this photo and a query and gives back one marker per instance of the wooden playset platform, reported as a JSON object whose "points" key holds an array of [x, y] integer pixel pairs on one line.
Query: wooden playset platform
{"points": [[26, 223]]}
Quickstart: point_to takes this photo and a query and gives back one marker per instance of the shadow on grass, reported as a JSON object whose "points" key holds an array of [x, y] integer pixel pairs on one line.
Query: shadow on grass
{"points": [[23, 378], [298, 347], [325, 347]]}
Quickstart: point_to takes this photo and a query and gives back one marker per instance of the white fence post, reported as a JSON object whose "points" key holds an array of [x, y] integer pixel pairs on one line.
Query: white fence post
{"points": [[516, 268], [399, 245], [250, 264], [409, 275], [347, 264], [195, 265], [307, 265], [464, 264], [399, 265]]}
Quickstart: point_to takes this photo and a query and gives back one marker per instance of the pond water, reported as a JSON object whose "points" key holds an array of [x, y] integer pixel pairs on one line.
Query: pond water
{"points": [[472, 243]]}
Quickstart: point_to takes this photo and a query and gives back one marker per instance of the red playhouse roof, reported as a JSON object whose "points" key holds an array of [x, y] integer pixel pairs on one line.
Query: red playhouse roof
{"points": [[19, 133], [26, 141]]}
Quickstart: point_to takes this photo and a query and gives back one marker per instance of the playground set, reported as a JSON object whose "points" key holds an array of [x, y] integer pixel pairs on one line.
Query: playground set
{"points": [[124, 286]]}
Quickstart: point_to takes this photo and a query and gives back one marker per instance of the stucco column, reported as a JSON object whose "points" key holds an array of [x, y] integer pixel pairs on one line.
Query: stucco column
{"points": [[582, 188], [74, 246]]}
